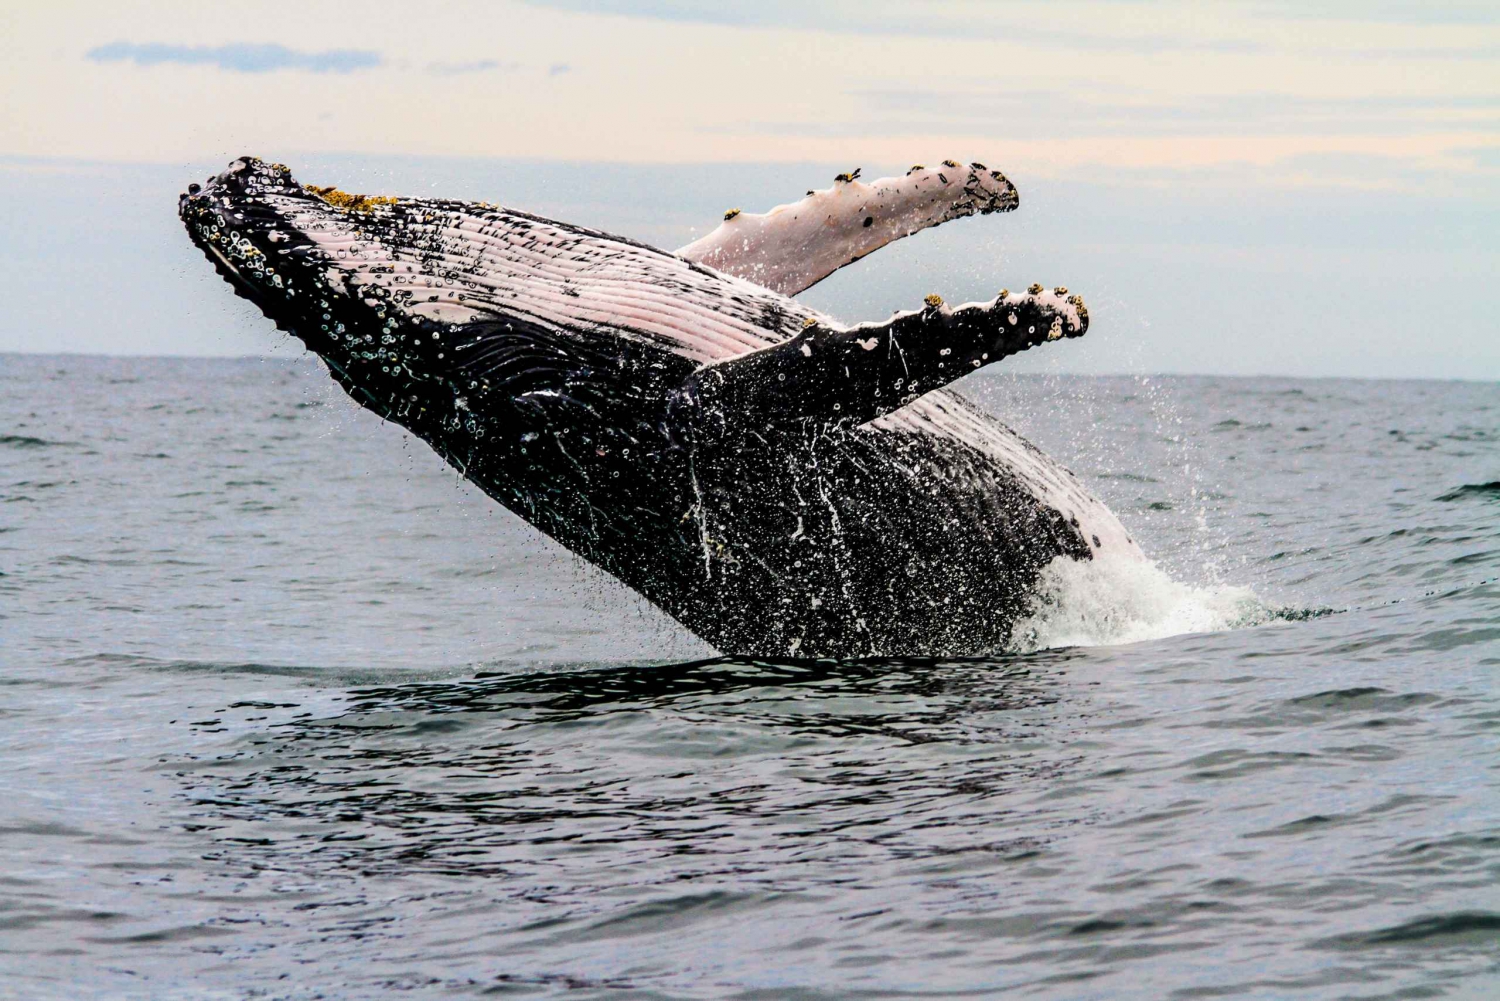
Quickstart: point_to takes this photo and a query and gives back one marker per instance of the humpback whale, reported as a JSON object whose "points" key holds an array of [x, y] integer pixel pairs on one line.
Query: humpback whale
{"points": [[778, 482]]}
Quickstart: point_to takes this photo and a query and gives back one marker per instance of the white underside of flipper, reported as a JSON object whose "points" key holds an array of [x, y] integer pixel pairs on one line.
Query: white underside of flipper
{"points": [[795, 246]]}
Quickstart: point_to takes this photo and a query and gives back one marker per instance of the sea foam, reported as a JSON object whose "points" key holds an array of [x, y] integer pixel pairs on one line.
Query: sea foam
{"points": [[1112, 600]]}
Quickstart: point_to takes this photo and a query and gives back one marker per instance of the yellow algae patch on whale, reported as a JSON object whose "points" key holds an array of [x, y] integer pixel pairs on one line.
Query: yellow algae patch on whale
{"points": [[344, 200]]}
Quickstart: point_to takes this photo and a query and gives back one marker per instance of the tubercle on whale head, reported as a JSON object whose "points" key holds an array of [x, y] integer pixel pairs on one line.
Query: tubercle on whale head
{"points": [[227, 218]]}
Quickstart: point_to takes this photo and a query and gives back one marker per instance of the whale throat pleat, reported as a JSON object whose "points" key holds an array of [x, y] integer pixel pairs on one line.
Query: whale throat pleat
{"points": [[500, 283], [458, 263]]}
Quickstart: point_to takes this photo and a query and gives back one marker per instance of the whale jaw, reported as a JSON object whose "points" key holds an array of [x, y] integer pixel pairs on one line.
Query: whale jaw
{"points": [[253, 247], [546, 417]]}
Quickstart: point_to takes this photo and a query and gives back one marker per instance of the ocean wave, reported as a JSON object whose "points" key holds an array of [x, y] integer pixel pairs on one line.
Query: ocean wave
{"points": [[1491, 489], [26, 441]]}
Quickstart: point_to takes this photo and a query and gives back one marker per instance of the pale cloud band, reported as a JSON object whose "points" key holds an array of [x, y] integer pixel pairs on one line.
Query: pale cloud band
{"points": [[1392, 94], [473, 66], [237, 58], [245, 58]]}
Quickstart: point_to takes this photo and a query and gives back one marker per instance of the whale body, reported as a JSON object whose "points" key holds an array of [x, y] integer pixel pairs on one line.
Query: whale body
{"points": [[776, 481]]}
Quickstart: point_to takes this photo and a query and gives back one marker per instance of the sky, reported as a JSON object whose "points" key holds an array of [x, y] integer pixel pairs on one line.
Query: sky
{"points": [[1241, 188]]}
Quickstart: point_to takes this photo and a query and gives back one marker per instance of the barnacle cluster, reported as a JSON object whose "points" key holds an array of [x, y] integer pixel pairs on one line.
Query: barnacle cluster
{"points": [[1076, 301], [344, 200]]}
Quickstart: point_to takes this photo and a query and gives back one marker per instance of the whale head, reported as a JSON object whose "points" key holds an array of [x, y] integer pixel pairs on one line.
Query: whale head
{"points": [[259, 227], [423, 309], [449, 319], [350, 275]]}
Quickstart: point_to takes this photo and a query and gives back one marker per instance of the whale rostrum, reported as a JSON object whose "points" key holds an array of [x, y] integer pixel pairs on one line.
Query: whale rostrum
{"points": [[778, 482]]}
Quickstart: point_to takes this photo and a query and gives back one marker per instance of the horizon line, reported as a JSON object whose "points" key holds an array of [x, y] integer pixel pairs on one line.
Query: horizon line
{"points": [[304, 354]]}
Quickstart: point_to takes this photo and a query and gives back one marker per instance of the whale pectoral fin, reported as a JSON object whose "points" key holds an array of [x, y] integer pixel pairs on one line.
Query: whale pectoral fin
{"points": [[853, 375], [793, 247]]}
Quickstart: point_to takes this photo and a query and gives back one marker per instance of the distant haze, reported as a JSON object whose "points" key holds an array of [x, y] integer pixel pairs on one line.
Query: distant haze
{"points": [[1235, 188]]}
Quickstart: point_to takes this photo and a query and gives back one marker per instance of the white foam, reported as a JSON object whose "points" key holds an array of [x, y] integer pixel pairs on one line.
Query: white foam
{"points": [[1107, 601]]}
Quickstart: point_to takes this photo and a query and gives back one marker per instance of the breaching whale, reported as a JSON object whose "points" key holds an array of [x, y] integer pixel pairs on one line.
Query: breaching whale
{"points": [[776, 481]]}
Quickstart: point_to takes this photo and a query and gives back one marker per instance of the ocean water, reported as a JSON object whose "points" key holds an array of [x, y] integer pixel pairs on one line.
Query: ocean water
{"points": [[289, 711]]}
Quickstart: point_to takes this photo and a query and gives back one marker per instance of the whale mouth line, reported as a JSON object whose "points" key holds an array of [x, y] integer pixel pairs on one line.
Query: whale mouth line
{"points": [[212, 206], [242, 286]]}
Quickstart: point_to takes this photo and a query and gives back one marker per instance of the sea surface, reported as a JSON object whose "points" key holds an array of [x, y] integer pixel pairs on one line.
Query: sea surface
{"points": [[287, 710]]}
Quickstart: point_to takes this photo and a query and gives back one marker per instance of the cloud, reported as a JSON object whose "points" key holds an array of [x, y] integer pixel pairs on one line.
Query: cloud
{"points": [[978, 18], [478, 66], [762, 12], [1487, 53], [237, 58], [1484, 157], [895, 17], [1040, 113], [1406, 12]]}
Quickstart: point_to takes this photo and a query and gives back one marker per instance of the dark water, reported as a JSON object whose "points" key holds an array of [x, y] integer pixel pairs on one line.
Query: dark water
{"points": [[289, 712]]}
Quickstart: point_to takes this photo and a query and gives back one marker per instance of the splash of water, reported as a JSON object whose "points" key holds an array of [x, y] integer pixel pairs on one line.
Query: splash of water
{"points": [[1112, 600]]}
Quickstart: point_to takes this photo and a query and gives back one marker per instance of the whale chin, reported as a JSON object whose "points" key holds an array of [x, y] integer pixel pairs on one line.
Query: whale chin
{"points": [[242, 219], [779, 482]]}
